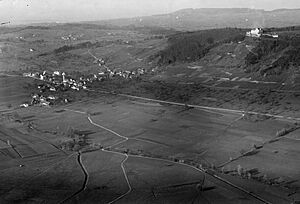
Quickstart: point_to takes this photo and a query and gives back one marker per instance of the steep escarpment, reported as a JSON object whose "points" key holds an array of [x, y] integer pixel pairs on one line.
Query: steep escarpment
{"points": [[274, 56]]}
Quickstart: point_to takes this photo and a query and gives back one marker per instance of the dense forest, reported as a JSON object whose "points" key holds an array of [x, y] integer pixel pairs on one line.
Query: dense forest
{"points": [[190, 46], [284, 53]]}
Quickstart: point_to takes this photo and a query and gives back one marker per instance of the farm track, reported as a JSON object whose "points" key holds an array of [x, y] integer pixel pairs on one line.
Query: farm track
{"points": [[126, 177], [290, 138], [28, 144], [50, 143], [85, 181], [201, 170], [122, 163], [13, 147], [204, 85], [210, 108], [204, 108], [276, 138], [20, 155], [113, 132]]}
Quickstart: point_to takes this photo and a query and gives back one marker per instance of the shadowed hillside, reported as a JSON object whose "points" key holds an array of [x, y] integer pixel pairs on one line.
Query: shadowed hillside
{"points": [[195, 45], [274, 57]]}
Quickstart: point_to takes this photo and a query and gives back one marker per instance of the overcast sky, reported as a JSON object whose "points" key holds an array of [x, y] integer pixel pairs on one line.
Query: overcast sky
{"points": [[28, 11]]}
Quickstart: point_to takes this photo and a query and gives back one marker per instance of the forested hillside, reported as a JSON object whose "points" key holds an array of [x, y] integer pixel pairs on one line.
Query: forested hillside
{"points": [[191, 46], [274, 56]]}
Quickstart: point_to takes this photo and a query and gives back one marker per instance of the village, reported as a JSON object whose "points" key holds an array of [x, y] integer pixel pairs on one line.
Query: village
{"points": [[58, 81]]}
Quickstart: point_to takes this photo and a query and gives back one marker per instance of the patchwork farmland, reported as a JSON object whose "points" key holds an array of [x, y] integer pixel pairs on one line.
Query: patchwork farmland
{"points": [[100, 114]]}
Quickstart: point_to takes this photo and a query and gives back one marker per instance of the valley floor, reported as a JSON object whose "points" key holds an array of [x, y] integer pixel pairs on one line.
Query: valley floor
{"points": [[144, 152]]}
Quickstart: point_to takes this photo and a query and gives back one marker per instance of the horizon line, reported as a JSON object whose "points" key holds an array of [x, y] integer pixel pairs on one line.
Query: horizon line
{"points": [[30, 22]]}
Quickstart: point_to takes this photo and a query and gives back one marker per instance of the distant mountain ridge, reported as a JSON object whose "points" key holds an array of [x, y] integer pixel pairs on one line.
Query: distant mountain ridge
{"points": [[207, 18]]}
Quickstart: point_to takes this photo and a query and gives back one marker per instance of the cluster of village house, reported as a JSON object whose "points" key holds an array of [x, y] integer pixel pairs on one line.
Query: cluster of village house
{"points": [[61, 81], [71, 37]]}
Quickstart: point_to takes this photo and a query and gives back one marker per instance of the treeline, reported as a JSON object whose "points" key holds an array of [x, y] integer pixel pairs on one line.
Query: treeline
{"points": [[37, 28], [154, 30], [190, 46], [282, 29], [66, 48], [87, 44], [284, 50], [98, 26]]}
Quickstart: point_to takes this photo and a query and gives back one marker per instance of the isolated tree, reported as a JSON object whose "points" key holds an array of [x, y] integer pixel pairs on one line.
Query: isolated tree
{"points": [[76, 147]]}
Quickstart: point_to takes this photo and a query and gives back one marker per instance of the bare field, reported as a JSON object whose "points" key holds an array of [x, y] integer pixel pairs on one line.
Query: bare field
{"points": [[55, 181], [18, 180], [106, 179], [12, 91]]}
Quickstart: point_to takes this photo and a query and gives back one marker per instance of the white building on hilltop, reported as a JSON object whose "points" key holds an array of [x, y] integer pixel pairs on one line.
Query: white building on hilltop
{"points": [[256, 33]]}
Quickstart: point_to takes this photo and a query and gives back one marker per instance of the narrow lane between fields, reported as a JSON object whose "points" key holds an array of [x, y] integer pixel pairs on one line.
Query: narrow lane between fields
{"points": [[85, 181]]}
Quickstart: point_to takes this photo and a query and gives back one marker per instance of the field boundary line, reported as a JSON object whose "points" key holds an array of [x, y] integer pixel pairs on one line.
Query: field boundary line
{"points": [[194, 106], [199, 106], [85, 181], [122, 163], [43, 172], [126, 178]]}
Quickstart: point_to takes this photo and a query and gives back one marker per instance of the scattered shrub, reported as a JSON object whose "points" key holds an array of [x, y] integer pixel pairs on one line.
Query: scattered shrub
{"points": [[77, 141], [285, 131], [240, 170]]}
